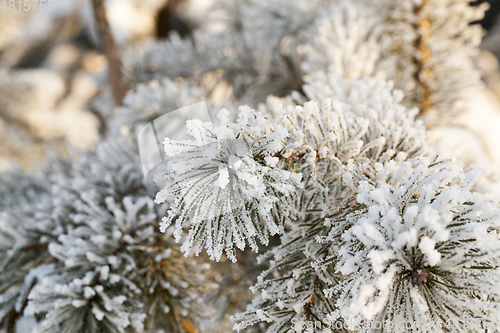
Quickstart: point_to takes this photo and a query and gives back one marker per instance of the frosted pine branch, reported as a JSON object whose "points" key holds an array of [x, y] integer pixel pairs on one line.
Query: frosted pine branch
{"points": [[422, 249], [226, 180], [358, 122], [90, 257], [360, 131]]}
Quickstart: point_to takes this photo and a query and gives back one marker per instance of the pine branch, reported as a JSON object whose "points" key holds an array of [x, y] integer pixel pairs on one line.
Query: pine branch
{"points": [[111, 52]]}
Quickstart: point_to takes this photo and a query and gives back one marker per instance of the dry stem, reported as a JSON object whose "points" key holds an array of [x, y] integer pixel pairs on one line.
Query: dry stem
{"points": [[111, 52], [422, 74]]}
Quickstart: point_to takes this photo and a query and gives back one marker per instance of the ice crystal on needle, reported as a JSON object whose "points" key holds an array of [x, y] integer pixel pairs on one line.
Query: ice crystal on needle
{"points": [[226, 180]]}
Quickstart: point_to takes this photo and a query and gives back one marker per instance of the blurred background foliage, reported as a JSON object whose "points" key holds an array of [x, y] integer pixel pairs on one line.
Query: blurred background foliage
{"points": [[52, 68]]}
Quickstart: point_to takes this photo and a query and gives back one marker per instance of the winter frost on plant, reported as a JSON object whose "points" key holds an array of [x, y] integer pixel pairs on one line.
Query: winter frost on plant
{"points": [[365, 127], [227, 180], [421, 248], [92, 258], [413, 245], [319, 159]]}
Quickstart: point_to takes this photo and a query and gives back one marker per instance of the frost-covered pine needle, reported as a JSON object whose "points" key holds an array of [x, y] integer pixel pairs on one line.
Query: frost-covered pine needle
{"points": [[227, 184]]}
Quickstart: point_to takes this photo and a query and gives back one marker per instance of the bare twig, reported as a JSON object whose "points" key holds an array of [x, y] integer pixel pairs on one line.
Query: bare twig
{"points": [[29, 247], [36, 246], [423, 29], [167, 20], [111, 52]]}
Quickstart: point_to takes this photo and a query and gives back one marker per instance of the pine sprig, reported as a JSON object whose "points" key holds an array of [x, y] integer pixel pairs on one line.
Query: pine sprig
{"points": [[423, 250], [93, 259], [226, 181]]}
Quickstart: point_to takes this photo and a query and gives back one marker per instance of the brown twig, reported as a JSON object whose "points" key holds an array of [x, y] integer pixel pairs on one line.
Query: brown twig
{"points": [[36, 246], [422, 27], [168, 20], [417, 276], [29, 247], [111, 52], [289, 158]]}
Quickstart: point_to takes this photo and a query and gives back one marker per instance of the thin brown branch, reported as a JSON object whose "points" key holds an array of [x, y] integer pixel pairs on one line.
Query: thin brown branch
{"points": [[168, 20], [111, 52], [36, 246], [29, 247], [422, 27], [289, 158], [401, 279]]}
